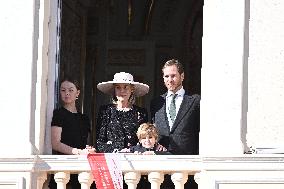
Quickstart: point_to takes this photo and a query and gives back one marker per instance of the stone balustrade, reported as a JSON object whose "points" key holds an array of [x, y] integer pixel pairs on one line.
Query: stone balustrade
{"points": [[247, 171]]}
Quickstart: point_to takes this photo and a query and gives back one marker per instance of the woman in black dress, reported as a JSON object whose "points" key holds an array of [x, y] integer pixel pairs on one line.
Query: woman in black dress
{"points": [[70, 129], [117, 123]]}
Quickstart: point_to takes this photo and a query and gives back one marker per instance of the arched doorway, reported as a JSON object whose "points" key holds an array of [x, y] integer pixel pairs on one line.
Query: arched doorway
{"points": [[99, 38]]}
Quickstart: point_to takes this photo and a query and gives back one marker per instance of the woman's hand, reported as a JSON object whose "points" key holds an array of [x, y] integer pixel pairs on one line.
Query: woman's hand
{"points": [[145, 153], [90, 149], [149, 153], [125, 150]]}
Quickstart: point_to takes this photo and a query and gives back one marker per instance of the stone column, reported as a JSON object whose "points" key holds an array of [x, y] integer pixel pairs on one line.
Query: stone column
{"points": [[203, 180], [223, 76], [179, 179], [61, 178], [265, 76], [41, 178], [85, 179], [19, 56], [132, 179], [155, 178]]}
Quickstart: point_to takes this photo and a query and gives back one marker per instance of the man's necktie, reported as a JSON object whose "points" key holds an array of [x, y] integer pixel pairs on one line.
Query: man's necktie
{"points": [[172, 109]]}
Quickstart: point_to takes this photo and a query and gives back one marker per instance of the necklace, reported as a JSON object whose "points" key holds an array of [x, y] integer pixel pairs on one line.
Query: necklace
{"points": [[123, 109]]}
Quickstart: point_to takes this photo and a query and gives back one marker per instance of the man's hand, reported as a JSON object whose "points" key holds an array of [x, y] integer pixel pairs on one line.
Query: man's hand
{"points": [[161, 148]]}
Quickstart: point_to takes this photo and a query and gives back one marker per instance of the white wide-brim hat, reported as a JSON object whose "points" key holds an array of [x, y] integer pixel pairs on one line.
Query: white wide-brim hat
{"points": [[122, 77]]}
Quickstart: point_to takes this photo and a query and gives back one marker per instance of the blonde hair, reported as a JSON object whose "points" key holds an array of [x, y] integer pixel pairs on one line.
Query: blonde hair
{"points": [[147, 129], [131, 99]]}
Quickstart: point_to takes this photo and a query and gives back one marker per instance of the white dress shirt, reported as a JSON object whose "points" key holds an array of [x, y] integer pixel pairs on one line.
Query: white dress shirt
{"points": [[180, 93]]}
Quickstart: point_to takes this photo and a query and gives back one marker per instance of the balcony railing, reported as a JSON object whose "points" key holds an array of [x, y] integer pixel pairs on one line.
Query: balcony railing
{"points": [[247, 171]]}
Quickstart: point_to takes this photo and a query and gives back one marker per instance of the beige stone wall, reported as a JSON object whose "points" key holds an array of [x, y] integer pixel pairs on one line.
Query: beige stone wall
{"points": [[23, 74], [222, 77], [266, 74], [16, 59]]}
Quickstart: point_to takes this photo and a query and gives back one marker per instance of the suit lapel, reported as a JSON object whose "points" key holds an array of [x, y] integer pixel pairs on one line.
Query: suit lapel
{"points": [[163, 113], [185, 106]]}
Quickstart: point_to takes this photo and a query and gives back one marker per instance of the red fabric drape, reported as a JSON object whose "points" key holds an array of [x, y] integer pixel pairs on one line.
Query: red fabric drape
{"points": [[106, 170]]}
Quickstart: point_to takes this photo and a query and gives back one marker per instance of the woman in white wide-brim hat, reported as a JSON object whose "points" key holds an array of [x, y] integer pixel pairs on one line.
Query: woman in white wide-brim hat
{"points": [[117, 123]]}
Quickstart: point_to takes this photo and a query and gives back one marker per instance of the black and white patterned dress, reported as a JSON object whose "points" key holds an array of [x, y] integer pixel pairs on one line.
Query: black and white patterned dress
{"points": [[117, 129]]}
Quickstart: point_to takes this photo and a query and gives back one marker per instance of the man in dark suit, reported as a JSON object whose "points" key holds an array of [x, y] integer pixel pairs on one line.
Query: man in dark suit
{"points": [[176, 114]]}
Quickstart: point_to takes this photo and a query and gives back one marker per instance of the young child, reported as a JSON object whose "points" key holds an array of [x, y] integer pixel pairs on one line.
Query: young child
{"points": [[147, 135]]}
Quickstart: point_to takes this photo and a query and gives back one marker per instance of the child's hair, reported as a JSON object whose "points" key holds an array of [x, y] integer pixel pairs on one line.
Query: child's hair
{"points": [[147, 129]]}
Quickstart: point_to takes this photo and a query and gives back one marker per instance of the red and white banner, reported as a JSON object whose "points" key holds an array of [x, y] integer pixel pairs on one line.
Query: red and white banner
{"points": [[106, 170]]}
